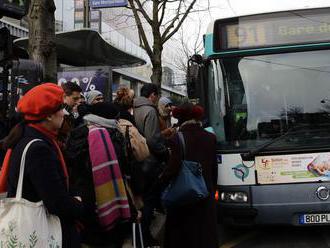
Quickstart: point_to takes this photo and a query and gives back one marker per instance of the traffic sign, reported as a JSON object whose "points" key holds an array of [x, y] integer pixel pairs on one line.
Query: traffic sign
{"points": [[95, 4]]}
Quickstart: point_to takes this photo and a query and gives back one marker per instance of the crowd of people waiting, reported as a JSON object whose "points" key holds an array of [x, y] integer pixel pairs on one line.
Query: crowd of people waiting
{"points": [[101, 166]]}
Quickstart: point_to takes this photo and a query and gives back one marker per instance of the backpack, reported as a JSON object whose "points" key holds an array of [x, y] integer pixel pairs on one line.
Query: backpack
{"points": [[137, 142]]}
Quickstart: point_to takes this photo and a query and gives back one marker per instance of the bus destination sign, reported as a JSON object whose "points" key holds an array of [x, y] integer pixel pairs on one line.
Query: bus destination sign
{"points": [[275, 29]]}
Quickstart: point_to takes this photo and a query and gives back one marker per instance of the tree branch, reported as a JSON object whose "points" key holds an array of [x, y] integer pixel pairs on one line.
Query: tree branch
{"points": [[143, 12], [162, 8], [142, 34], [167, 34]]}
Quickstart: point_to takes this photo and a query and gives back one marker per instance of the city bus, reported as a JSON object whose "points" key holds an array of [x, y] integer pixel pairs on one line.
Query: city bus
{"points": [[264, 81]]}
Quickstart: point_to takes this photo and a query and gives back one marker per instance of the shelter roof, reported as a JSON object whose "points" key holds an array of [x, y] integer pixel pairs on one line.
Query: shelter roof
{"points": [[86, 47]]}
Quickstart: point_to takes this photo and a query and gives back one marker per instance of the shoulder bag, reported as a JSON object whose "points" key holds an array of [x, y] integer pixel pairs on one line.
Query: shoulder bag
{"points": [[189, 186], [27, 224]]}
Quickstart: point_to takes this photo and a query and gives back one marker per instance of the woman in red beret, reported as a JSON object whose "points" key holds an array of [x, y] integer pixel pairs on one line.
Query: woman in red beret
{"points": [[192, 226], [45, 175]]}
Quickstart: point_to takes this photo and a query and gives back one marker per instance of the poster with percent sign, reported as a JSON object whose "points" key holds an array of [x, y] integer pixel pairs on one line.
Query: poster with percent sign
{"points": [[92, 79]]}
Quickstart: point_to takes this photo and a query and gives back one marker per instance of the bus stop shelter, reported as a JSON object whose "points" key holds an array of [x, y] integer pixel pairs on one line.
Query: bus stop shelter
{"points": [[86, 50], [86, 47]]}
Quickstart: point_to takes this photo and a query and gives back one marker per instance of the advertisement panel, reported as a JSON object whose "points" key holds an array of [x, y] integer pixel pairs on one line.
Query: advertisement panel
{"points": [[107, 3], [88, 78], [310, 167]]}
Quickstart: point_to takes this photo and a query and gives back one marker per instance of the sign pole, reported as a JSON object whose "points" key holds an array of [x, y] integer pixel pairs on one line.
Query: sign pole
{"points": [[86, 14]]}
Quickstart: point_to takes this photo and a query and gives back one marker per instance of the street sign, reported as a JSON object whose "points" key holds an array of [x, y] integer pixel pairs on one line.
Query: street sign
{"points": [[96, 4]]}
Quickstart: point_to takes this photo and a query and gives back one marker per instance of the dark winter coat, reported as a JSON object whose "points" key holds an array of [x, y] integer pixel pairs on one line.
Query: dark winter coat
{"points": [[193, 226], [80, 170], [147, 122], [44, 180]]}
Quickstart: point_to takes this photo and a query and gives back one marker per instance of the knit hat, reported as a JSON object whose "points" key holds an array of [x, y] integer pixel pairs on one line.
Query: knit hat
{"points": [[105, 110], [91, 95], [188, 111], [41, 101], [164, 100]]}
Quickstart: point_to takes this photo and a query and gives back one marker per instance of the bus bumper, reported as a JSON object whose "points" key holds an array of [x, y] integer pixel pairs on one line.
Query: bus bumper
{"points": [[273, 204]]}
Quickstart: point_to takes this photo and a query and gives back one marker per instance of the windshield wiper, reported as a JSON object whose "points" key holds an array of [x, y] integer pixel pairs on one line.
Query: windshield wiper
{"points": [[294, 130]]}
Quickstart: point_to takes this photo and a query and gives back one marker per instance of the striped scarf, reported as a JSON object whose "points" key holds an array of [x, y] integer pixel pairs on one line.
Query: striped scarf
{"points": [[111, 197]]}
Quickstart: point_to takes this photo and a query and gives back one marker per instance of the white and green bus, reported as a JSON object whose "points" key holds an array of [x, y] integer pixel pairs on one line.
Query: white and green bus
{"points": [[265, 83]]}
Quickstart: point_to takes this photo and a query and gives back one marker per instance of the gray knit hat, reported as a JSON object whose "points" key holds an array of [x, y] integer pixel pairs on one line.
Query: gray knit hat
{"points": [[91, 95], [165, 100]]}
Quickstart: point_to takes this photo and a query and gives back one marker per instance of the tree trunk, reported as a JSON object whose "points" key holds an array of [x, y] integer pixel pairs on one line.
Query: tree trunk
{"points": [[156, 77], [42, 46], [156, 60]]}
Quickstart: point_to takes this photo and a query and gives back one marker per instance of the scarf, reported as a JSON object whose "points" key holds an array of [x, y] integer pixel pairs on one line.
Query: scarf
{"points": [[110, 192], [4, 174], [100, 121], [5, 166]]}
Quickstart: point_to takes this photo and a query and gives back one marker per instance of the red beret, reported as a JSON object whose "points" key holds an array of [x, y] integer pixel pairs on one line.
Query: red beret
{"points": [[188, 111], [41, 101]]}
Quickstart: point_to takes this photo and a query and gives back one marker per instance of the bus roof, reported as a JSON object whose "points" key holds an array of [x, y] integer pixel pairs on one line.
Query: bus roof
{"points": [[269, 31], [211, 24]]}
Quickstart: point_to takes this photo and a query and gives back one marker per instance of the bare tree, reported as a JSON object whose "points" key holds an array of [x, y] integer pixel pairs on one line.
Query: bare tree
{"points": [[189, 45], [42, 46], [165, 19]]}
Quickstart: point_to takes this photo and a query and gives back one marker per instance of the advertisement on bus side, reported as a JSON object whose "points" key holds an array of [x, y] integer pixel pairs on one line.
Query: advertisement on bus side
{"points": [[310, 167]]}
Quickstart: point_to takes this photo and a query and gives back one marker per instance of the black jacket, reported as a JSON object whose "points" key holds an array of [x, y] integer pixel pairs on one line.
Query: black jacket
{"points": [[80, 169], [44, 180]]}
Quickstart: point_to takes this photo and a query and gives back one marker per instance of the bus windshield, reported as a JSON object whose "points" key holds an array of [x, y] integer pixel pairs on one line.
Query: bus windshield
{"points": [[259, 98]]}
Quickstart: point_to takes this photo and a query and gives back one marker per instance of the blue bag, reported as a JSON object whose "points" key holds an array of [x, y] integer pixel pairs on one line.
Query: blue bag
{"points": [[188, 187]]}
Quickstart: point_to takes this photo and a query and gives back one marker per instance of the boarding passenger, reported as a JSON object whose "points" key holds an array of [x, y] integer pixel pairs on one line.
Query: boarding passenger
{"points": [[192, 225], [147, 121]]}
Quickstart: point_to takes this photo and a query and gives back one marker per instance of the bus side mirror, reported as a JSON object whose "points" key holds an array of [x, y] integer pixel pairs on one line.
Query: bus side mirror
{"points": [[194, 76], [194, 79]]}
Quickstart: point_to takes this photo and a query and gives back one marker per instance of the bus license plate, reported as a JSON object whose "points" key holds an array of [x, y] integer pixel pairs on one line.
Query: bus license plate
{"points": [[314, 218]]}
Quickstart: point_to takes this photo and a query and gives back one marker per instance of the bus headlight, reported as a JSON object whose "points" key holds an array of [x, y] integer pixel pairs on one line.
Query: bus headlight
{"points": [[238, 197]]}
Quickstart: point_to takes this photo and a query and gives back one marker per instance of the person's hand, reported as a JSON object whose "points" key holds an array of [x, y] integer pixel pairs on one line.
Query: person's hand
{"points": [[78, 198], [321, 168], [138, 201], [168, 132], [138, 217]]}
